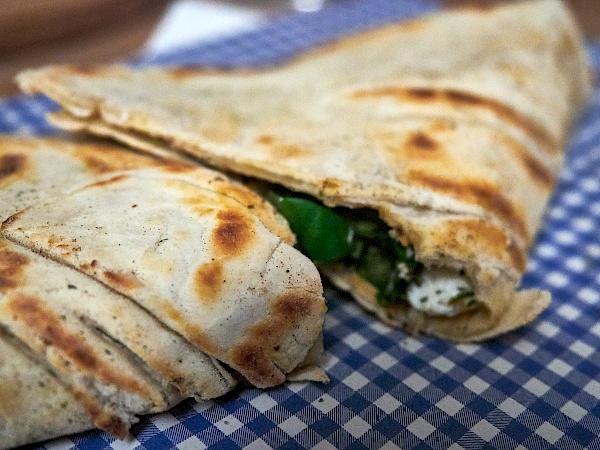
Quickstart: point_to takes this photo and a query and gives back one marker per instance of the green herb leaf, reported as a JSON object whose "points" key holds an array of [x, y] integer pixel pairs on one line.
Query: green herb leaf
{"points": [[461, 296]]}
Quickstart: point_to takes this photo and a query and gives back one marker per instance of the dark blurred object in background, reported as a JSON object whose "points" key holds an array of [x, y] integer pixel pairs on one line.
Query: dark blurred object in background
{"points": [[39, 32]]}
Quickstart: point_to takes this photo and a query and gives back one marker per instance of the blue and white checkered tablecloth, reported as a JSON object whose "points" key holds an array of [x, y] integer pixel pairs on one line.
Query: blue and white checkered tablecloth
{"points": [[536, 388]]}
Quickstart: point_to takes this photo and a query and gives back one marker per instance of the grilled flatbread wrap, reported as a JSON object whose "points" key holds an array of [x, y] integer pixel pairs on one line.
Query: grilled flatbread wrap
{"points": [[126, 286], [451, 127]]}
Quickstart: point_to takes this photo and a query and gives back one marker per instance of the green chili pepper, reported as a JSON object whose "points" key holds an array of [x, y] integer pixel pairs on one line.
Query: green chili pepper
{"points": [[322, 235], [375, 267]]}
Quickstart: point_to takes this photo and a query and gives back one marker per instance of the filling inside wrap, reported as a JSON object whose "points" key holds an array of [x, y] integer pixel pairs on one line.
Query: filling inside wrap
{"points": [[358, 239]]}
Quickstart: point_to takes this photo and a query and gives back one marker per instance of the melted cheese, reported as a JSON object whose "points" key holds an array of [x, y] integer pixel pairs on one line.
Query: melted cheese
{"points": [[436, 290]]}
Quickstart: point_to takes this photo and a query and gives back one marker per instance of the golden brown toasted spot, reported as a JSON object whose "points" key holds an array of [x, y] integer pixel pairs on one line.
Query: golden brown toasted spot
{"points": [[288, 311], [173, 166], [269, 332], [295, 306], [12, 265], [11, 164], [209, 281], [200, 338], [517, 256], [257, 367], [86, 69], [183, 72], [468, 239], [536, 170], [441, 125], [422, 141], [478, 228], [491, 239], [200, 204], [11, 219], [491, 199], [167, 309], [330, 183], [97, 165], [532, 165], [478, 192], [460, 99], [99, 159], [538, 133], [233, 233], [102, 419], [114, 180], [464, 98], [257, 207], [282, 149], [122, 281], [415, 150], [422, 94], [287, 151], [265, 139], [112, 425], [89, 267], [66, 248], [398, 93], [180, 323], [51, 330]]}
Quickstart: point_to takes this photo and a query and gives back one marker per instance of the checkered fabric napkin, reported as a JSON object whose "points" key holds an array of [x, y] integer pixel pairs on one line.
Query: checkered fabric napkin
{"points": [[536, 388]]}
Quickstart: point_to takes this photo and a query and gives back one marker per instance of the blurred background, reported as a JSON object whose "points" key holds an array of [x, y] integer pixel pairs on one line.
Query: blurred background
{"points": [[38, 32]]}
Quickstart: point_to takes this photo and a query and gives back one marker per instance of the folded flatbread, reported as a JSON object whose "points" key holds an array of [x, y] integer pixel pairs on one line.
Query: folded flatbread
{"points": [[128, 284], [451, 127]]}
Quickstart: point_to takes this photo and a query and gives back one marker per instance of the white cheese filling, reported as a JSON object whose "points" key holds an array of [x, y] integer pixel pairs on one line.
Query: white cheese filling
{"points": [[441, 292]]}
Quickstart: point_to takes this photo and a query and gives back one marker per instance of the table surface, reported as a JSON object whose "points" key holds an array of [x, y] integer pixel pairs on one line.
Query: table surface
{"points": [[538, 387]]}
